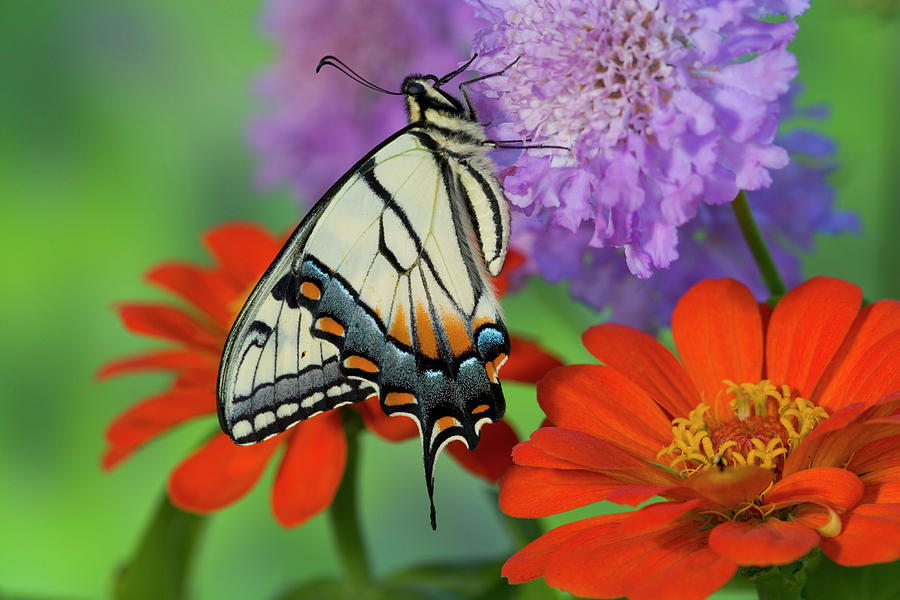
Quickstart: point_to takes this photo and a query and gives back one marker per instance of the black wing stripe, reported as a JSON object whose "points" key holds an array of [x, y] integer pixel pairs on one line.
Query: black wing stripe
{"points": [[368, 174], [494, 205], [463, 230]]}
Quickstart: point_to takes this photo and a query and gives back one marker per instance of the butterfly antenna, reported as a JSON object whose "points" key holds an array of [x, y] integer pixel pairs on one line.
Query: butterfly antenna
{"points": [[516, 146], [341, 66], [450, 76], [489, 75]]}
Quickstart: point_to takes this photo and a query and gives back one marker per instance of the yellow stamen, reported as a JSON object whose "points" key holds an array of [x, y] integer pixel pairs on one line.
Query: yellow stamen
{"points": [[769, 425]]}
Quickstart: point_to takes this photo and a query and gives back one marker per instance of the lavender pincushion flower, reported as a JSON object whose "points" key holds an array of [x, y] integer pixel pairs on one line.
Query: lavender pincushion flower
{"points": [[667, 105], [798, 206], [316, 126]]}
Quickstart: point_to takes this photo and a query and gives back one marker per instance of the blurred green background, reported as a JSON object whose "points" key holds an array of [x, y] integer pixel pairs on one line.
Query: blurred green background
{"points": [[123, 138]]}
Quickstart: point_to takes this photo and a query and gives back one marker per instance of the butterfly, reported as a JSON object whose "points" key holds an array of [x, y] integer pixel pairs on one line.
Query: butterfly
{"points": [[383, 289]]}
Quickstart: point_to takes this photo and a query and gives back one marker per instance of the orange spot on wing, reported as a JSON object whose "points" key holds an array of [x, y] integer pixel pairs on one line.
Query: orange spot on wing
{"points": [[493, 367], [399, 399], [425, 332], [445, 423], [456, 332], [329, 325], [480, 409], [310, 290], [400, 329], [361, 363], [482, 320]]}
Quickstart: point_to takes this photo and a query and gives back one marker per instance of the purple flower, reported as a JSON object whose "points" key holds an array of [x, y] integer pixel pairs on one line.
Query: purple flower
{"points": [[667, 106], [316, 126], [798, 205]]}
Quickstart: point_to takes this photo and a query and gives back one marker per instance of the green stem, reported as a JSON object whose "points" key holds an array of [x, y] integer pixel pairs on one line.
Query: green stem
{"points": [[343, 512], [757, 245], [161, 565]]}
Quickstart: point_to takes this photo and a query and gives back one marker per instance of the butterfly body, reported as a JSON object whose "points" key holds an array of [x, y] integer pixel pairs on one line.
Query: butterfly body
{"points": [[383, 290]]}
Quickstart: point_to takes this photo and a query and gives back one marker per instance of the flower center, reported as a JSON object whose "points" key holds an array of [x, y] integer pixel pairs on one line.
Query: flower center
{"points": [[600, 69], [768, 424]]}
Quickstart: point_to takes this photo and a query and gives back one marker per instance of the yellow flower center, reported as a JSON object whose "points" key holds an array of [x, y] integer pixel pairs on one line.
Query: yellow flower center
{"points": [[769, 424]]}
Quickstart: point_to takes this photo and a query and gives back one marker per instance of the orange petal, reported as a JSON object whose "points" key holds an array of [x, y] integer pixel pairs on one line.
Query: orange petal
{"points": [[763, 543], [530, 562], [657, 516], [732, 487], [528, 362], [874, 375], [207, 290], [805, 455], [870, 534], [151, 417], [867, 365], [219, 473], [814, 516], [692, 573], [393, 429], [311, 470], [718, 332], [584, 449], [877, 454], [494, 453], [634, 493], [157, 320], [585, 565], [646, 362], [602, 402], [165, 360], [834, 442], [829, 486], [881, 486], [807, 327], [528, 455], [594, 454], [243, 251], [672, 563], [533, 492]]}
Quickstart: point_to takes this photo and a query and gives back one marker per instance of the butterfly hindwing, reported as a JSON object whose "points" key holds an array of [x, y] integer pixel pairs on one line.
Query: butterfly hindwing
{"points": [[280, 365]]}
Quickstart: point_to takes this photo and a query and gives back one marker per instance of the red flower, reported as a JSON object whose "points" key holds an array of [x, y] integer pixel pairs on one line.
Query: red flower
{"points": [[220, 472], [778, 431]]}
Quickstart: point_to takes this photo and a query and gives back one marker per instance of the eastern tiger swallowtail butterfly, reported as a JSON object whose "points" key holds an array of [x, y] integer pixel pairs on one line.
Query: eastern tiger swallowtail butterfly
{"points": [[383, 290]]}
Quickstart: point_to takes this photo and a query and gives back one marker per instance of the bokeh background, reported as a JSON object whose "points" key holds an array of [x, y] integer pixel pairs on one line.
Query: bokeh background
{"points": [[122, 138]]}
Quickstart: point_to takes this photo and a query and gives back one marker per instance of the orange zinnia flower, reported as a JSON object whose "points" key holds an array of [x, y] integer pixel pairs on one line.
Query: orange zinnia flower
{"points": [[778, 431], [221, 472]]}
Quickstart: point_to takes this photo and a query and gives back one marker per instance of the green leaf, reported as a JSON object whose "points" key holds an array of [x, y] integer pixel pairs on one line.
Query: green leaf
{"points": [[161, 566], [834, 582]]}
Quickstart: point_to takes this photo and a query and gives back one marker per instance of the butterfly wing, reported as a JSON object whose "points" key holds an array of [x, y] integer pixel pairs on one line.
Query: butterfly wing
{"points": [[380, 290], [275, 371]]}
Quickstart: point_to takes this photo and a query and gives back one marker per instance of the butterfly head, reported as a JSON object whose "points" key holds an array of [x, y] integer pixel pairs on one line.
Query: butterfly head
{"points": [[426, 101]]}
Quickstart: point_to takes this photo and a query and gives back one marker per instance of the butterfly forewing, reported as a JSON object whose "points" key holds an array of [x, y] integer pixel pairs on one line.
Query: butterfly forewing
{"points": [[382, 291]]}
